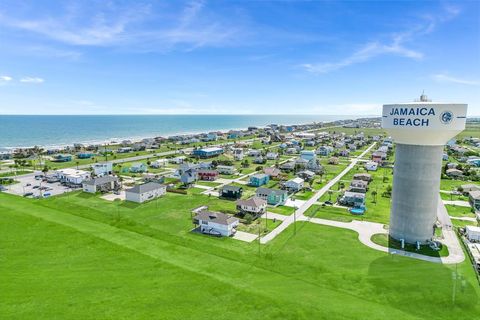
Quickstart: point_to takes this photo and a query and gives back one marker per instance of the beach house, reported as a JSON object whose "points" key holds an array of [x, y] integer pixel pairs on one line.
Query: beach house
{"points": [[101, 184], [254, 205], [295, 184], [207, 152], [216, 223], [144, 192], [259, 179], [103, 168], [272, 196], [207, 174], [231, 192]]}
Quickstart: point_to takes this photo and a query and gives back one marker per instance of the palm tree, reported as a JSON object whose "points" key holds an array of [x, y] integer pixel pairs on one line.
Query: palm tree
{"points": [[374, 194]]}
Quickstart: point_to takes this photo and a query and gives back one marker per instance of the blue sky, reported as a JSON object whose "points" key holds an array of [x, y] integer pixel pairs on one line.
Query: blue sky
{"points": [[235, 57]]}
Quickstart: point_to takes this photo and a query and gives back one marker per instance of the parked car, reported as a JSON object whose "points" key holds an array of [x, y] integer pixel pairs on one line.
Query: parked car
{"points": [[28, 194], [35, 187], [28, 184]]}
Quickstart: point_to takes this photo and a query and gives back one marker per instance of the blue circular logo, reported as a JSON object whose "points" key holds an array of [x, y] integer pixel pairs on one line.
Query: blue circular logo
{"points": [[446, 117]]}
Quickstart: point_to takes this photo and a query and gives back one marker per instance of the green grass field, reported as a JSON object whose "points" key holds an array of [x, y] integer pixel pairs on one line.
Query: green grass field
{"points": [[77, 256], [459, 211]]}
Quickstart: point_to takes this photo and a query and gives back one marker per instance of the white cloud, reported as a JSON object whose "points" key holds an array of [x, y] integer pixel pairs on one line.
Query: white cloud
{"points": [[369, 51], [396, 45], [113, 25], [5, 79], [449, 79], [32, 80]]}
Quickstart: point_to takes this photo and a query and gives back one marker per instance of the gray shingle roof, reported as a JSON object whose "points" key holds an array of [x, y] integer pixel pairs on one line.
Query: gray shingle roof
{"points": [[142, 188], [100, 180], [252, 202], [269, 191], [217, 217]]}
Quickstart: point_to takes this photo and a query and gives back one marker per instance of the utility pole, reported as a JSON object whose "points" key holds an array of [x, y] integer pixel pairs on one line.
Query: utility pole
{"points": [[295, 220], [259, 228]]}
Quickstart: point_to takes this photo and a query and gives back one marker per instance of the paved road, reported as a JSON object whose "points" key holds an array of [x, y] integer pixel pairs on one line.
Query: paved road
{"points": [[459, 203], [298, 214]]}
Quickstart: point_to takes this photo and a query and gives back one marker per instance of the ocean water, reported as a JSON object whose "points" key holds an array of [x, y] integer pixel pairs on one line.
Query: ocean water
{"points": [[61, 130]]}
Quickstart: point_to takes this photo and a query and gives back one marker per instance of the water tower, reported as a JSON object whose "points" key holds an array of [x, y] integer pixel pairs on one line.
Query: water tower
{"points": [[420, 130]]}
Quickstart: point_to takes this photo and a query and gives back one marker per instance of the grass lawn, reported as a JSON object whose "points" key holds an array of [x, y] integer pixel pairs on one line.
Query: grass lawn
{"points": [[208, 183], [14, 173], [448, 196], [459, 211], [449, 184], [77, 257], [281, 210], [330, 213], [386, 241], [304, 195], [463, 223], [263, 226]]}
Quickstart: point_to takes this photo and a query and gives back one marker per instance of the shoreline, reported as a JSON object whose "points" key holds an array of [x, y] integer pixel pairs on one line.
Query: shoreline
{"points": [[118, 140]]}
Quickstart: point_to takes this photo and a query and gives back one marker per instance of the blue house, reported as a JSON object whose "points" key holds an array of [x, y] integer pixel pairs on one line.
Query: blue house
{"points": [[85, 155], [324, 150], [208, 152], [62, 158], [308, 155], [259, 179]]}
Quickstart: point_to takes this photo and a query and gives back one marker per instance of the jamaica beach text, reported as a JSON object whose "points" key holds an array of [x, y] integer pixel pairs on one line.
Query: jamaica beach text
{"points": [[414, 122]]}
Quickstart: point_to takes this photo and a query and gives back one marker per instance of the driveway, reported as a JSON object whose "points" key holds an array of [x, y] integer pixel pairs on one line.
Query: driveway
{"points": [[113, 196], [244, 236]]}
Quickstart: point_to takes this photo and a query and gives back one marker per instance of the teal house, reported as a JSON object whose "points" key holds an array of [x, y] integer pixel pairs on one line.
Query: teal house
{"points": [[259, 179], [62, 158], [272, 196], [85, 155]]}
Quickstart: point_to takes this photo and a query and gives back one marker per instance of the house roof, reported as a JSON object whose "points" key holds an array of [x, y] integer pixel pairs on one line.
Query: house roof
{"points": [[259, 176], [269, 191], [351, 194], [271, 171], [146, 187], [217, 217], [231, 188], [296, 180], [210, 149], [100, 180], [252, 202], [359, 182], [306, 172], [359, 175]]}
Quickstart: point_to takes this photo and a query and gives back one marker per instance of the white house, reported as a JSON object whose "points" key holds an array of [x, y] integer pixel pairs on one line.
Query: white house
{"points": [[72, 176], [159, 163], [272, 156], [177, 160], [371, 166], [253, 205], [216, 223], [101, 169], [226, 169], [238, 154], [144, 192], [295, 184], [473, 233]]}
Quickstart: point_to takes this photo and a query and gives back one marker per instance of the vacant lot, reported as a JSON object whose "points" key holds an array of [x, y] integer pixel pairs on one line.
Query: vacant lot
{"points": [[80, 257]]}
